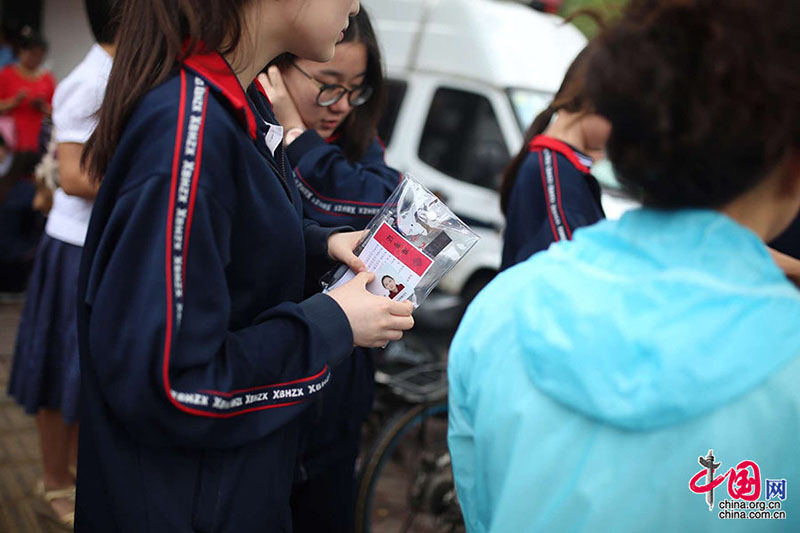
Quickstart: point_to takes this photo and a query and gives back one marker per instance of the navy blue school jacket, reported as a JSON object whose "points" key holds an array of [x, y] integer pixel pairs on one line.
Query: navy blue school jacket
{"points": [[554, 194], [335, 190], [17, 217], [197, 353], [338, 191]]}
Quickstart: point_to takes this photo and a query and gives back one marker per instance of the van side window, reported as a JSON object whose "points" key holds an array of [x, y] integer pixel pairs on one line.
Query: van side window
{"points": [[395, 91], [462, 138]]}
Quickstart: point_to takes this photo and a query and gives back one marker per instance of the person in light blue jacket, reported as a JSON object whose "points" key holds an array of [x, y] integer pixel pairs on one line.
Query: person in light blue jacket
{"points": [[645, 376]]}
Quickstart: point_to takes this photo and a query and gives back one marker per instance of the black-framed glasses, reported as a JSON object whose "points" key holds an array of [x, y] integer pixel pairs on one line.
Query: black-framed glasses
{"points": [[330, 93]]}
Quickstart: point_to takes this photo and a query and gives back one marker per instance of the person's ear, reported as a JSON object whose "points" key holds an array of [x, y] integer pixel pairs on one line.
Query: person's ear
{"points": [[787, 188], [792, 175], [787, 178]]}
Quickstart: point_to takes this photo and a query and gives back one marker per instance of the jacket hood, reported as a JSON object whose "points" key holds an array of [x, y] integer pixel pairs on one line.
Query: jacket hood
{"points": [[653, 319]]}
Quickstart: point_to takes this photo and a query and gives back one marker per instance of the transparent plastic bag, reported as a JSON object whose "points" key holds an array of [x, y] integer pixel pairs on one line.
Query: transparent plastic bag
{"points": [[411, 243]]}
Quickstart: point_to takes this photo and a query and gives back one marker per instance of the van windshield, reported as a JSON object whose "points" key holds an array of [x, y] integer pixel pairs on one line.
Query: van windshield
{"points": [[527, 104]]}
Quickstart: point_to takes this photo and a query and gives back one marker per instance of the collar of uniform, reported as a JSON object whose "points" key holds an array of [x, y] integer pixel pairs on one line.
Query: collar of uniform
{"points": [[216, 71], [581, 161], [333, 138]]}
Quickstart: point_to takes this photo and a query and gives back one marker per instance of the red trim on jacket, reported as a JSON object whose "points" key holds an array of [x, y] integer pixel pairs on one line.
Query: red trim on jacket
{"points": [[544, 141], [168, 252], [544, 186], [251, 389], [260, 88], [213, 68], [558, 199], [336, 200], [195, 180], [170, 280]]}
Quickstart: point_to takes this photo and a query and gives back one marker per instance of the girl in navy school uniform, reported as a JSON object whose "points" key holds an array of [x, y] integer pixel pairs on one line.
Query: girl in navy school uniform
{"points": [[548, 191], [198, 352], [331, 111]]}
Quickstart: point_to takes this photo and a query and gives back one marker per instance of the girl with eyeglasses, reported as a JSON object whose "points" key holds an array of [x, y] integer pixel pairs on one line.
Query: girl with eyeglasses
{"points": [[330, 112], [198, 352]]}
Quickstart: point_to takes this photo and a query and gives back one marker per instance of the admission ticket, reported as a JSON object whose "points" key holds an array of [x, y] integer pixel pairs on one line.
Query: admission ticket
{"points": [[398, 265]]}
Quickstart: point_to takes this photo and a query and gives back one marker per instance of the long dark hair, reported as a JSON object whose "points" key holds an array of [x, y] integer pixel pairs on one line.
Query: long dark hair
{"points": [[104, 19], [361, 126], [571, 97], [154, 36]]}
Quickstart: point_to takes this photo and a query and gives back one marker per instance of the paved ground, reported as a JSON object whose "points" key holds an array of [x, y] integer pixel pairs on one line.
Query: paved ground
{"points": [[20, 461]]}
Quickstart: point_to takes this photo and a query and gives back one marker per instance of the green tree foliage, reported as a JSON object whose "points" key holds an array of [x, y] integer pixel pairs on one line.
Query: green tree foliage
{"points": [[608, 9]]}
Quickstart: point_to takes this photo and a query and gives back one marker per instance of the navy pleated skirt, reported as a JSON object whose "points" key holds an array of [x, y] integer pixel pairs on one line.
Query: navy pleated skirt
{"points": [[45, 372]]}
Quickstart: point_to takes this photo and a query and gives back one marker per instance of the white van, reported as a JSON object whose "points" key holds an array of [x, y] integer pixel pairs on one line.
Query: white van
{"points": [[465, 79]]}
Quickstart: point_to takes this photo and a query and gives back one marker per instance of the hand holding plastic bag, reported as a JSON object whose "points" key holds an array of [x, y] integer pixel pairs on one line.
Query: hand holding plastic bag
{"points": [[411, 243]]}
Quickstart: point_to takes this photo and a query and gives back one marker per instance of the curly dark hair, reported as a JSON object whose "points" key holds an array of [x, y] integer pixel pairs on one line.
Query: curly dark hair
{"points": [[703, 96]]}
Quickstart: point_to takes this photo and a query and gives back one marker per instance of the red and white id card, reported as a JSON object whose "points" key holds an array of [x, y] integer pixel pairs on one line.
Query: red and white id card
{"points": [[398, 265]]}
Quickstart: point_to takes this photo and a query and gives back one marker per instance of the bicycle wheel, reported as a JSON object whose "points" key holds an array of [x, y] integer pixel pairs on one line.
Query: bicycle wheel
{"points": [[407, 483]]}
